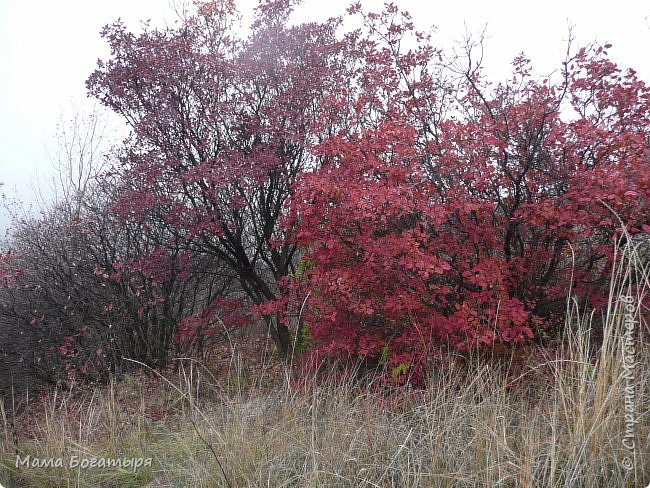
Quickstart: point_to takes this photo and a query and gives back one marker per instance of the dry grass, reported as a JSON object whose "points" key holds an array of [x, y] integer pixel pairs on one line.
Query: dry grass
{"points": [[563, 426]]}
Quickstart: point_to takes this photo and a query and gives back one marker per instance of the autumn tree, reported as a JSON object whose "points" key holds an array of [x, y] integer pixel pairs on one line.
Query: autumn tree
{"points": [[220, 131]]}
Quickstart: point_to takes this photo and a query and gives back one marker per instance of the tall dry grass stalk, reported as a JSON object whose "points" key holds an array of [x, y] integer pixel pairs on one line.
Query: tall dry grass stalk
{"points": [[565, 424]]}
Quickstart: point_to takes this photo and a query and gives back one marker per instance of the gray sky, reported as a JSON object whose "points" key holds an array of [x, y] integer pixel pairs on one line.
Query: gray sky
{"points": [[49, 47]]}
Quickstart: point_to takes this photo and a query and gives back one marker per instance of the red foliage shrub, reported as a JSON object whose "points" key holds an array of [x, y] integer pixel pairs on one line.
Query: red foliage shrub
{"points": [[475, 236]]}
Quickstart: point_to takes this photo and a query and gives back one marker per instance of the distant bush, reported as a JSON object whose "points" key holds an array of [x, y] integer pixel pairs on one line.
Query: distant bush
{"points": [[82, 294]]}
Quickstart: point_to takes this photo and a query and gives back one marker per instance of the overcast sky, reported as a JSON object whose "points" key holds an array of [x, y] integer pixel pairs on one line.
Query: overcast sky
{"points": [[49, 47]]}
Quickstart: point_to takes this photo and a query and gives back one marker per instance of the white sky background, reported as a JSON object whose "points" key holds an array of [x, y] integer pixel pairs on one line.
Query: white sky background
{"points": [[49, 47]]}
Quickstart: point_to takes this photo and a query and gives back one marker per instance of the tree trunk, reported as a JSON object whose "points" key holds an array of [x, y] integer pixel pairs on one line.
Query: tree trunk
{"points": [[279, 333]]}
